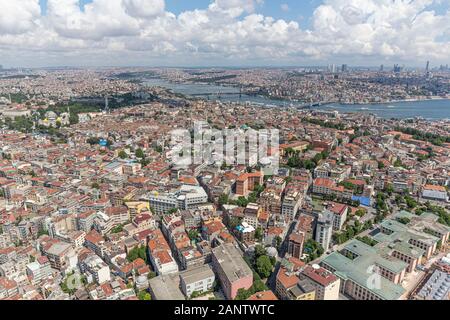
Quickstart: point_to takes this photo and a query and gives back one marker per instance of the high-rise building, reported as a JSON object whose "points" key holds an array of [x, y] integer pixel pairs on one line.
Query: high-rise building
{"points": [[397, 68], [106, 104], [324, 229], [295, 246], [427, 68]]}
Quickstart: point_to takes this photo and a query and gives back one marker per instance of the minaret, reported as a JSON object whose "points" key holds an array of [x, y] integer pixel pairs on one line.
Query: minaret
{"points": [[106, 104]]}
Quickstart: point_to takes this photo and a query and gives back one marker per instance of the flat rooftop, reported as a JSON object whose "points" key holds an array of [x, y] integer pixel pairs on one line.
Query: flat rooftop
{"points": [[166, 288], [197, 274], [231, 261]]}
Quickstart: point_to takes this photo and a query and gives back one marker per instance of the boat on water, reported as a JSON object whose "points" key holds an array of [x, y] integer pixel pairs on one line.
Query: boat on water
{"points": [[390, 107], [364, 109]]}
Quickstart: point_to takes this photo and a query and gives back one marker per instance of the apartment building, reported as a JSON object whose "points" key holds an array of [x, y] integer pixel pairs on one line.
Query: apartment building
{"points": [[291, 203], [58, 253], [326, 284], [287, 278], [160, 254], [324, 229], [8, 288], [339, 212], [432, 192], [245, 232], [246, 183], [39, 269], [85, 220], [295, 244], [232, 271], [251, 214], [95, 242], [95, 269], [199, 280], [326, 186], [303, 290], [185, 198]]}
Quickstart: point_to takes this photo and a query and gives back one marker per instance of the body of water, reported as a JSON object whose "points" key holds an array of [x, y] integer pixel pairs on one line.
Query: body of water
{"points": [[430, 109]]}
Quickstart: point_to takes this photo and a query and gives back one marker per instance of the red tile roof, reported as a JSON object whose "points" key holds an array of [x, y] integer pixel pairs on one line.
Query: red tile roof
{"points": [[324, 182], [263, 296], [320, 275]]}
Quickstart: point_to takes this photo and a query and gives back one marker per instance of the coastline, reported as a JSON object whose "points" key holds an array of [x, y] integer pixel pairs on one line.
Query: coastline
{"points": [[394, 101], [288, 101]]}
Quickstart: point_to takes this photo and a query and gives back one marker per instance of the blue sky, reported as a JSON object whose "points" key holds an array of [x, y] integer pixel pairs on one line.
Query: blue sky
{"points": [[298, 10], [141, 32]]}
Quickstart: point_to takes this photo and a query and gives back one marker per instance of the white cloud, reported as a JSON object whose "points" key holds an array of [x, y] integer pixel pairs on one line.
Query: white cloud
{"points": [[227, 31], [144, 8], [284, 7], [18, 16]]}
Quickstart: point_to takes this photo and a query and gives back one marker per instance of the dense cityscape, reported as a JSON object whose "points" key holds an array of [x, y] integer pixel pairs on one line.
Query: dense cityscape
{"points": [[93, 205]]}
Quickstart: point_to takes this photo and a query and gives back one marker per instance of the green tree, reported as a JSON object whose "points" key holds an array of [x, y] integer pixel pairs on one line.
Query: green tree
{"points": [[264, 266], [117, 229], [144, 296], [398, 163], [193, 234], [145, 162], [360, 212], [259, 233], [123, 154], [258, 286], [389, 189], [223, 199], [410, 202], [42, 232], [260, 251], [95, 185], [367, 240], [403, 220], [234, 222], [242, 202], [243, 294], [139, 153], [313, 249], [137, 252], [92, 141], [278, 242]]}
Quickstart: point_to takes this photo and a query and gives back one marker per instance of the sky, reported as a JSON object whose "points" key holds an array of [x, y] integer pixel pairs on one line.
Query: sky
{"points": [[38, 33]]}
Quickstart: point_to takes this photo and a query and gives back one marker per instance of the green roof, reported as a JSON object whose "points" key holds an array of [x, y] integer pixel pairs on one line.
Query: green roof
{"points": [[359, 270], [365, 257]]}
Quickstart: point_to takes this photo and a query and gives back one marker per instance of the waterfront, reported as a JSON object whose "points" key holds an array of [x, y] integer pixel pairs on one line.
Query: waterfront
{"points": [[429, 109]]}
